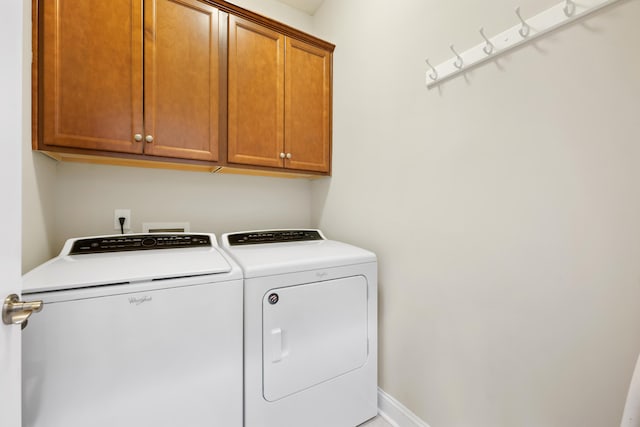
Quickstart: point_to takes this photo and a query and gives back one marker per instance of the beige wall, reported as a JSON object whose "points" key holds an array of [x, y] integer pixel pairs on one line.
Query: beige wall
{"points": [[504, 207], [87, 195], [66, 200], [280, 12], [38, 206]]}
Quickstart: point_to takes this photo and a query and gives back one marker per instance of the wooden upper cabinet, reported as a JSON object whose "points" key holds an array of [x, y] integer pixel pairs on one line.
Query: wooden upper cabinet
{"points": [[202, 83], [91, 75], [279, 100], [307, 113], [256, 94], [182, 79], [93, 71]]}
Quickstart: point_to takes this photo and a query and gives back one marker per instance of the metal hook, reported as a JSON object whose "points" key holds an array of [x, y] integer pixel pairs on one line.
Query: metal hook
{"points": [[433, 76], [458, 63], [488, 49], [569, 8], [526, 29]]}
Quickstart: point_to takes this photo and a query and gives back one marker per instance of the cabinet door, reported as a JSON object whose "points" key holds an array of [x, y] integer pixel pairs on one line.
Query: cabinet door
{"points": [[256, 94], [307, 113], [182, 80], [91, 74]]}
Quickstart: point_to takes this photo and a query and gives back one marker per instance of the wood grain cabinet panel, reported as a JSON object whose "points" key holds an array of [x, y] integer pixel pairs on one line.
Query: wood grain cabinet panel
{"points": [[256, 94], [181, 79], [92, 74], [307, 112]]}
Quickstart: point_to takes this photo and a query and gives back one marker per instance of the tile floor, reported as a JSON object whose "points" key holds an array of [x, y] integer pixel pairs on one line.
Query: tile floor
{"points": [[376, 422]]}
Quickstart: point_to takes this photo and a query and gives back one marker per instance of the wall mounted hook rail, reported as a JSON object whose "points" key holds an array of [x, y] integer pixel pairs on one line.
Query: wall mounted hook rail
{"points": [[534, 27]]}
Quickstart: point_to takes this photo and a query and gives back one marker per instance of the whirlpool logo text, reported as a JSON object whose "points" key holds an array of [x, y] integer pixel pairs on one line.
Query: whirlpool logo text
{"points": [[139, 300]]}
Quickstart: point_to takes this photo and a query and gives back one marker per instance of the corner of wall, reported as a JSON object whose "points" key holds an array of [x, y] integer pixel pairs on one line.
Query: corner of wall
{"points": [[38, 199]]}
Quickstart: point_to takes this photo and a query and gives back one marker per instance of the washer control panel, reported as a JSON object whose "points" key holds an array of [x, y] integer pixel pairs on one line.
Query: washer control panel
{"points": [[138, 242], [273, 236]]}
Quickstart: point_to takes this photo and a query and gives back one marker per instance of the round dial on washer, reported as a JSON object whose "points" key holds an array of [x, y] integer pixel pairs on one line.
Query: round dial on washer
{"points": [[149, 241]]}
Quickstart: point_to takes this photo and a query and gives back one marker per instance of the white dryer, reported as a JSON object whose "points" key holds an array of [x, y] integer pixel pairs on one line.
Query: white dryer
{"points": [[136, 330], [310, 329]]}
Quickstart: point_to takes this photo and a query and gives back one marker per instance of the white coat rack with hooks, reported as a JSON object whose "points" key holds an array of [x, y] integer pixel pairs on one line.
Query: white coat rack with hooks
{"points": [[526, 30]]}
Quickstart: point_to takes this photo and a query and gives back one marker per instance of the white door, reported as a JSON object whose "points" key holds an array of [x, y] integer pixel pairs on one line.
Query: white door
{"points": [[11, 39], [313, 333]]}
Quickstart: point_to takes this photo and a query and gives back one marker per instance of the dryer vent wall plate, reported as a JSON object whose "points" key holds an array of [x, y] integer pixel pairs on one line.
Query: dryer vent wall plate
{"points": [[166, 227]]}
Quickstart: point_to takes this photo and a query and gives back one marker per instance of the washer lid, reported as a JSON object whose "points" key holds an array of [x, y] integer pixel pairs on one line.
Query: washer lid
{"points": [[94, 269], [269, 259]]}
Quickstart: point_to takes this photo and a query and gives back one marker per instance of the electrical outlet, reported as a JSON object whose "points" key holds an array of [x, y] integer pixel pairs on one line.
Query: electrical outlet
{"points": [[119, 213]]}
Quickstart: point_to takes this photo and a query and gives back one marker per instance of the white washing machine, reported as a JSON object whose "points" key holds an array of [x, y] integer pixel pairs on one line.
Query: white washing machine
{"points": [[310, 329], [136, 330]]}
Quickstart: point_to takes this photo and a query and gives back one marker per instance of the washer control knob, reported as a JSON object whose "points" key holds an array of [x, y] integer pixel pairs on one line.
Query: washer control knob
{"points": [[148, 242]]}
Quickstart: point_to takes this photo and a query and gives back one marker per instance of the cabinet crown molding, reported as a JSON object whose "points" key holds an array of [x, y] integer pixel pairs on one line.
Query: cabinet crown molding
{"points": [[271, 23]]}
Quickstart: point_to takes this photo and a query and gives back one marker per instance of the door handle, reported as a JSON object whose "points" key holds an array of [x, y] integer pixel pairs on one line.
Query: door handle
{"points": [[16, 312], [276, 345]]}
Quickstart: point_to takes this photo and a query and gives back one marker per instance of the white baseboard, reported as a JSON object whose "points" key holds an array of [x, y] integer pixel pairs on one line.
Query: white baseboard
{"points": [[395, 413]]}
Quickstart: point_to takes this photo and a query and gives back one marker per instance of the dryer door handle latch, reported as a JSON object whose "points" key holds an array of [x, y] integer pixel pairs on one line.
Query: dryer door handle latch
{"points": [[276, 345], [16, 312]]}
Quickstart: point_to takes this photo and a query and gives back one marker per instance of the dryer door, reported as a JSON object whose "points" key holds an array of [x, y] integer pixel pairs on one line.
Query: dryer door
{"points": [[313, 333]]}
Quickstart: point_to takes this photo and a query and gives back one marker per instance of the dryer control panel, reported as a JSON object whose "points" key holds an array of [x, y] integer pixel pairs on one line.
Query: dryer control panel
{"points": [[138, 242], [273, 236]]}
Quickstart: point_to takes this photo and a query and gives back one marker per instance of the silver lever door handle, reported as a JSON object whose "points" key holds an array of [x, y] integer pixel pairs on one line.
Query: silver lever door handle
{"points": [[16, 312]]}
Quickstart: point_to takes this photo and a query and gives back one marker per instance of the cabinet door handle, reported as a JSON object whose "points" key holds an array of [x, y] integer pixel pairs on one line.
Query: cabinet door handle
{"points": [[288, 155], [282, 155], [137, 137], [148, 138]]}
